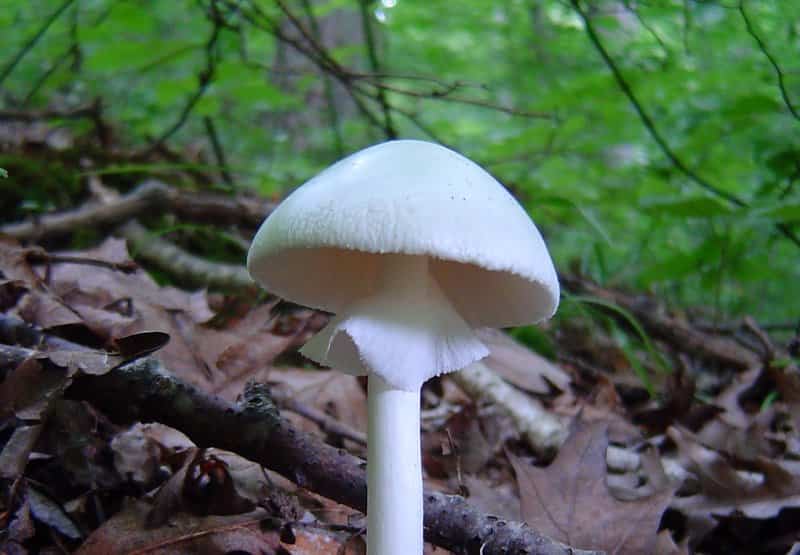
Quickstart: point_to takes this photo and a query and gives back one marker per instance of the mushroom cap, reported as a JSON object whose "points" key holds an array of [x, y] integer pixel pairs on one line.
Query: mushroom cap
{"points": [[321, 246]]}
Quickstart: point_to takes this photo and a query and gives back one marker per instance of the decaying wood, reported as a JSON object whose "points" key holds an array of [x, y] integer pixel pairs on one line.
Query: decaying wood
{"points": [[326, 423], [679, 333], [144, 391], [151, 197], [542, 431], [185, 267]]}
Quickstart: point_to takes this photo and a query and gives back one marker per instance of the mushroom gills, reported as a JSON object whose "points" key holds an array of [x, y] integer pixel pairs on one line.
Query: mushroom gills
{"points": [[406, 331]]}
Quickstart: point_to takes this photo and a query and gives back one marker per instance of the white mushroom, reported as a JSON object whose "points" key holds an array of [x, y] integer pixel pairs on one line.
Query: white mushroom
{"points": [[412, 246]]}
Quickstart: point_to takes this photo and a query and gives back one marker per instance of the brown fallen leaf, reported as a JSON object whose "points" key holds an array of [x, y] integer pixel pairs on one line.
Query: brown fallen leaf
{"points": [[187, 534], [337, 394], [30, 388], [665, 545], [114, 305], [243, 351], [570, 500], [20, 528], [459, 446], [206, 486], [85, 361], [15, 453], [213, 535], [520, 366], [766, 488], [141, 450], [495, 499], [679, 390], [47, 511]]}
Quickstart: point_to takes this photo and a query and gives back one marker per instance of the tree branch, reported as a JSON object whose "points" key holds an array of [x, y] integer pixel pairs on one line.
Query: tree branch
{"points": [[204, 80], [674, 331], [31, 42], [650, 125], [144, 391], [773, 62], [330, 98], [184, 266], [151, 197], [372, 55], [219, 152]]}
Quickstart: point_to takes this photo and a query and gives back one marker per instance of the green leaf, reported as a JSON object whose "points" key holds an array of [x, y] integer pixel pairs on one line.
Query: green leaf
{"points": [[588, 217], [693, 207], [630, 319], [786, 212]]}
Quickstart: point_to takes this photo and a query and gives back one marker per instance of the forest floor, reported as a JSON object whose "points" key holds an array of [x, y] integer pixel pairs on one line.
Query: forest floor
{"points": [[153, 400]]}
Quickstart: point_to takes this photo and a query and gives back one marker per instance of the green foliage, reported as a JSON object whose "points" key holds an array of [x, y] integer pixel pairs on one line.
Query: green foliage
{"points": [[32, 186], [609, 198]]}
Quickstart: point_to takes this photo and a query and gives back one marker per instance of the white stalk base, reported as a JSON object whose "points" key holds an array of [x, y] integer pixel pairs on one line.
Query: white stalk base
{"points": [[394, 472]]}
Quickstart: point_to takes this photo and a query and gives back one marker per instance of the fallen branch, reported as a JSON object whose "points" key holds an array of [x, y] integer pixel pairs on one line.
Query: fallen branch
{"points": [[145, 197], [89, 112], [183, 266], [151, 197], [678, 333], [326, 423], [541, 430], [144, 391]]}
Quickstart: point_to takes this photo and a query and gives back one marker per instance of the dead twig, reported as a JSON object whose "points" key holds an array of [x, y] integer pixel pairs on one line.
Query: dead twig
{"points": [[542, 431], [151, 197], [680, 334], [375, 66], [219, 152], [184, 266], [145, 197], [327, 424], [40, 256]]}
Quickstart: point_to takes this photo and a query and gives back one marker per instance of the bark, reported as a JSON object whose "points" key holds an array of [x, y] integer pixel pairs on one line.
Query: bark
{"points": [[678, 333], [151, 197], [185, 267], [142, 390]]}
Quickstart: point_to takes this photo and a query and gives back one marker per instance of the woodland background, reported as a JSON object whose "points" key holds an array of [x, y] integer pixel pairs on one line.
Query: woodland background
{"points": [[655, 144]]}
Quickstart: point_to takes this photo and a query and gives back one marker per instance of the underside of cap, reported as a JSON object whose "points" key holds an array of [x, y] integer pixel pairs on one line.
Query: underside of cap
{"points": [[322, 246], [332, 279], [406, 332]]}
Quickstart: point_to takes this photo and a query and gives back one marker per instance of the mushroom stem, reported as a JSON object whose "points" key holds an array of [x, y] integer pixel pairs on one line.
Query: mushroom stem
{"points": [[394, 471]]}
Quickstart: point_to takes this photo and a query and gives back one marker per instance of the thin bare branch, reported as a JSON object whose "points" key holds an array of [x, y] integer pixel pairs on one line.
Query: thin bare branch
{"points": [[652, 129], [187, 268], [204, 79], [375, 66], [31, 42], [219, 152], [148, 198], [330, 97], [445, 94], [773, 62]]}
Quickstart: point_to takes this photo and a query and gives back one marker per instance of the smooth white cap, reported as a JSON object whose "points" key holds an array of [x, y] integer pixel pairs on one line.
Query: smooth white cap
{"points": [[321, 246]]}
